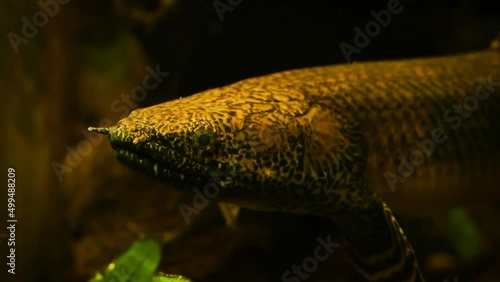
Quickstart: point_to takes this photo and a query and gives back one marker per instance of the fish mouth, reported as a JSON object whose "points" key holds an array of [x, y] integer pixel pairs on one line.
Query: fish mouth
{"points": [[147, 157], [181, 171]]}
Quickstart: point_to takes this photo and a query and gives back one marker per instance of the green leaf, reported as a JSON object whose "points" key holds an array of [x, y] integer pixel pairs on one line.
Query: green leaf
{"points": [[466, 237], [171, 278], [137, 264]]}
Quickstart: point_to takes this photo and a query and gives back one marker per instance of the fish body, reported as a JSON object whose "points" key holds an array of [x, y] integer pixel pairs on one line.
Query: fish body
{"points": [[337, 141]]}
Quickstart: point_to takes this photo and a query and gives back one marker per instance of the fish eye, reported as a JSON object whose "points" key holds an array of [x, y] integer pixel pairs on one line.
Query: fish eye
{"points": [[203, 138]]}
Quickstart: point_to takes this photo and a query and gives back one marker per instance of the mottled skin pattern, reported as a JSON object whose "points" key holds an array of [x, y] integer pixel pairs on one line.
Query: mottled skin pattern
{"points": [[319, 141]]}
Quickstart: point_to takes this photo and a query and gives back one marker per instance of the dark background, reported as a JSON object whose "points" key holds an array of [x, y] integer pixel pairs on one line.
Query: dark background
{"points": [[67, 76]]}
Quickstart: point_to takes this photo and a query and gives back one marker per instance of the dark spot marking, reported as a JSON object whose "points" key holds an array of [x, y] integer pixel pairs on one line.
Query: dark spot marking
{"points": [[298, 176]]}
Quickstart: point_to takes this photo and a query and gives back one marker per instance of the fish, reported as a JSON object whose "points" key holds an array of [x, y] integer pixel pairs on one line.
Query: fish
{"points": [[347, 142]]}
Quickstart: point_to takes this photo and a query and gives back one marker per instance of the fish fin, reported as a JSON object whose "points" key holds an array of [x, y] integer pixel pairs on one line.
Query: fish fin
{"points": [[230, 213], [378, 247]]}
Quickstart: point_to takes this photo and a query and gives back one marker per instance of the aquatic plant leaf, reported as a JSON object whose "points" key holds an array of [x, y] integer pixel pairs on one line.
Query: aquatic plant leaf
{"points": [[466, 237], [137, 264], [171, 278]]}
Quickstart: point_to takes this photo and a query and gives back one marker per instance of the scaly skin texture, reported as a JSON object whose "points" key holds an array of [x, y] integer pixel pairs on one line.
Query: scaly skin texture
{"points": [[327, 141]]}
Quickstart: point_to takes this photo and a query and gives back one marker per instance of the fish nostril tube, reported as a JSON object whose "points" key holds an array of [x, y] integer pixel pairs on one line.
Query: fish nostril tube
{"points": [[100, 130]]}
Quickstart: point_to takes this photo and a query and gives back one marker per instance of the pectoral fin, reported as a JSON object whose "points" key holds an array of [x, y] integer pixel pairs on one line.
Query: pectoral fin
{"points": [[230, 213]]}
